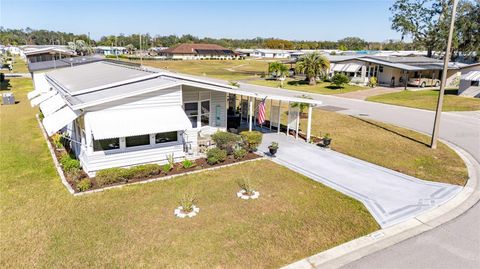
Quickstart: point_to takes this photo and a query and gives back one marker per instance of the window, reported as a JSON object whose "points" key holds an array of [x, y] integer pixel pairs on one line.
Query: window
{"points": [[165, 137], [191, 109], [474, 83], [106, 144], [380, 69], [205, 113], [138, 140]]}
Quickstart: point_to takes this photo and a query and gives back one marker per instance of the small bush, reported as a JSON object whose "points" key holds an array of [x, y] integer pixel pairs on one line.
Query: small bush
{"points": [[57, 140], [171, 159], [246, 185], [226, 141], [69, 163], [84, 184], [187, 202], [187, 164], [251, 139], [166, 168], [372, 82], [340, 79], [146, 170], [239, 153], [113, 175], [216, 155], [75, 174]]}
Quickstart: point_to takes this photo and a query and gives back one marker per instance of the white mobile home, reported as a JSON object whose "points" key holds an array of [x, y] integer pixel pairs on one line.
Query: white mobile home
{"points": [[120, 116], [271, 53], [470, 81]]}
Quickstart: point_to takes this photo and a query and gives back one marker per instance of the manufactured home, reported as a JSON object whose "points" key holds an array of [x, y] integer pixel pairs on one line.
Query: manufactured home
{"points": [[120, 115], [198, 52], [470, 81]]}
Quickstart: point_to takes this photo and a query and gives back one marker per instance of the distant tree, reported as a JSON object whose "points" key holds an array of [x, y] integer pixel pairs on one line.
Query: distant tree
{"points": [[279, 44], [466, 39], [80, 47], [339, 80], [352, 43], [312, 65], [130, 48], [278, 70]]}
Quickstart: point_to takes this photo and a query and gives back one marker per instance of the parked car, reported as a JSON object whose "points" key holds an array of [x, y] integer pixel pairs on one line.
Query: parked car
{"points": [[423, 82]]}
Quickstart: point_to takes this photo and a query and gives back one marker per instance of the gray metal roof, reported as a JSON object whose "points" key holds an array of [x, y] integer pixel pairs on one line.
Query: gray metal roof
{"points": [[94, 75], [61, 63]]}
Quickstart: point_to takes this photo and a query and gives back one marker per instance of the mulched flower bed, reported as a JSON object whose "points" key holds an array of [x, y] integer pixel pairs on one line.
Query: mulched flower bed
{"points": [[199, 164]]}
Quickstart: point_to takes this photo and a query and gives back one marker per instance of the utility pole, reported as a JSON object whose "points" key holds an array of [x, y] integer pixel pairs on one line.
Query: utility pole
{"points": [[436, 124], [141, 60]]}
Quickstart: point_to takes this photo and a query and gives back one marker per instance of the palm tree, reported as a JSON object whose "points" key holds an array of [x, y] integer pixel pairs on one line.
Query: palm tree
{"points": [[312, 65], [279, 71], [80, 47]]}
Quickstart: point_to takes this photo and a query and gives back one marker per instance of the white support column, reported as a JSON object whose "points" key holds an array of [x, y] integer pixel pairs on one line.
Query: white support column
{"points": [[288, 117], [241, 112], [298, 124], [250, 116], [279, 115], [309, 123], [270, 119]]}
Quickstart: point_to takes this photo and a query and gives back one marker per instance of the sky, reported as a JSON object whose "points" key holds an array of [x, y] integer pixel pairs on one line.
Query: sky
{"points": [[286, 19]]}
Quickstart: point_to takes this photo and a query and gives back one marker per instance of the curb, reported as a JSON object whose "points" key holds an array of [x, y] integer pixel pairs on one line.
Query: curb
{"points": [[383, 238]]}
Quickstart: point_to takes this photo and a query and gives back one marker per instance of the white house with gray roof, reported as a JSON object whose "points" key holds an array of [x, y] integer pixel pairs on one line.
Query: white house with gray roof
{"points": [[119, 116]]}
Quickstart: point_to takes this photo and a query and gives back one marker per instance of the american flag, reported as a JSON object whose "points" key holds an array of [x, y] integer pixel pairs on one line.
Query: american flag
{"points": [[261, 112]]}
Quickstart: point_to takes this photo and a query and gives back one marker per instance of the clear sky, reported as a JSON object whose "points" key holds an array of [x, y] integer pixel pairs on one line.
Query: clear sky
{"points": [[296, 20]]}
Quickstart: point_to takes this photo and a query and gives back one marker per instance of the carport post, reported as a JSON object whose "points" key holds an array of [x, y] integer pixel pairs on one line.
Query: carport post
{"points": [[250, 112], [288, 118], [298, 124], [271, 111], [279, 114], [309, 123], [405, 78]]}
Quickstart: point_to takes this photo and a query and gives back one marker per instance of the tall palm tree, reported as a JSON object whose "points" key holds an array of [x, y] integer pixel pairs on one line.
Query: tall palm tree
{"points": [[279, 71], [312, 65]]}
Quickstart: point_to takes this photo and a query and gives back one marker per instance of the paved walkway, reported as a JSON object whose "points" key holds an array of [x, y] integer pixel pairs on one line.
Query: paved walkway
{"points": [[364, 94], [391, 197]]}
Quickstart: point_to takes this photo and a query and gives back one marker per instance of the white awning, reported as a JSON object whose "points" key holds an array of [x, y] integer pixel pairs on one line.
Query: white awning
{"points": [[131, 122], [42, 98], [41, 86], [472, 76], [338, 67], [352, 68], [52, 104], [58, 120]]}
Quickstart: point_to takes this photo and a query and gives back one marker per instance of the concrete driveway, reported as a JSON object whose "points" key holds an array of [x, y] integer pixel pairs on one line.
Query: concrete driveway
{"points": [[391, 197]]}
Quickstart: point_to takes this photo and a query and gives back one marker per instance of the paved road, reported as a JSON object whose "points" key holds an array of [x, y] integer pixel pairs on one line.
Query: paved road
{"points": [[390, 196]]}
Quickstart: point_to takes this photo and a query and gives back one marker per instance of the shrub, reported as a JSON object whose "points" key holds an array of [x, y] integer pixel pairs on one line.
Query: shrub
{"points": [[69, 163], [84, 184], [216, 155], [340, 79], [226, 141], [239, 153], [171, 159], [187, 164], [246, 185], [2, 77], [166, 168], [75, 174], [113, 175], [57, 140], [251, 139], [187, 202], [146, 170], [372, 82]]}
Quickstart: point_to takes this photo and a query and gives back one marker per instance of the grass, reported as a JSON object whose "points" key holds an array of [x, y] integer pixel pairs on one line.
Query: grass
{"points": [[221, 69], [300, 85], [19, 66], [427, 99], [43, 226]]}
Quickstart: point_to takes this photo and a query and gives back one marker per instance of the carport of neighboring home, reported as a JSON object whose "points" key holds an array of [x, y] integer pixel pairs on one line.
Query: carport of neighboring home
{"points": [[390, 196]]}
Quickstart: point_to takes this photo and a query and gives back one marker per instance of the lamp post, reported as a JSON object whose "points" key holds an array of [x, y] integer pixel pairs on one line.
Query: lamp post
{"points": [[436, 124]]}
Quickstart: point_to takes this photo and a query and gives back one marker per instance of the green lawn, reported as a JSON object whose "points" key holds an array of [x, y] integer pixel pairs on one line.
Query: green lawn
{"points": [[296, 85], [43, 226], [427, 99], [221, 69]]}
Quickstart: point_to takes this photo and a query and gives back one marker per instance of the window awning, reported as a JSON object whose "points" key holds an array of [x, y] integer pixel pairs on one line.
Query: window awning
{"points": [[338, 67], [42, 98], [52, 104], [352, 68], [41, 86], [472, 76], [131, 122], [56, 121]]}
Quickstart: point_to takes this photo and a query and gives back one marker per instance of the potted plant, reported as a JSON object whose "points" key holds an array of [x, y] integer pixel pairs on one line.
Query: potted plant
{"points": [[246, 190], [187, 206], [273, 148], [327, 140]]}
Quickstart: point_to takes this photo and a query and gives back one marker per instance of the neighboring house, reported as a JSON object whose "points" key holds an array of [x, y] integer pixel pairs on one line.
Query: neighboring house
{"points": [[470, 81], [106, 50], [41, 54], [118, 115], [198, 52], [391, 71], [271, 53], [244, 52]]}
